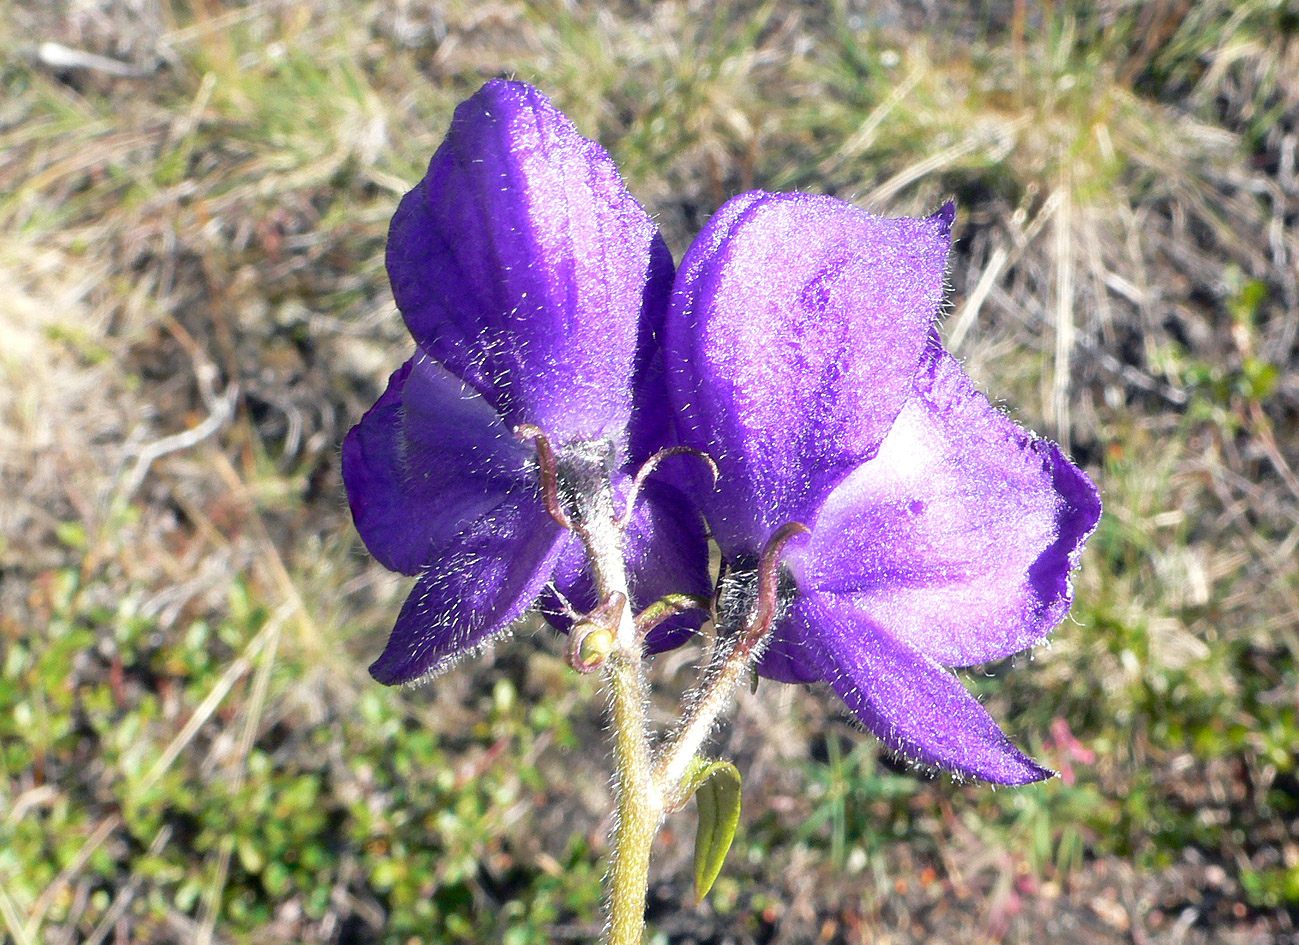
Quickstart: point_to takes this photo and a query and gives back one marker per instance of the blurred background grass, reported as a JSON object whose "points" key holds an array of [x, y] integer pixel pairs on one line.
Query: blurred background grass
{"points": [[193, 203]]}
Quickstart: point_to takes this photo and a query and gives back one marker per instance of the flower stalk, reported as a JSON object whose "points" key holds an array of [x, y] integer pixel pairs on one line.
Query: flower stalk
{"points": [[639, 802], [733, 661], [639, 808], [645, 788]]}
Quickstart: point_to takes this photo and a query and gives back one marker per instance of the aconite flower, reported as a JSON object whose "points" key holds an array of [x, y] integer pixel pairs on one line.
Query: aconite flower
{"points": [[801, 354], [534, 287]]}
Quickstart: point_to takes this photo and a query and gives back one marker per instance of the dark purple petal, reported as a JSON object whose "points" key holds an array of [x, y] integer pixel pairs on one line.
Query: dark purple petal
{"points": [[571, 585], [793, 337], [429, 457], [651, 428], [912, 704], [522, 264], [667, 553], [481, 582], [792, 656], [959, 536]]}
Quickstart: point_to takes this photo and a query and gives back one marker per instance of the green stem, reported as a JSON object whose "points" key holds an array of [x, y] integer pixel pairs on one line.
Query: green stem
{"points": [[733, 667], [731, 663], [640, 810], [640, 805]]}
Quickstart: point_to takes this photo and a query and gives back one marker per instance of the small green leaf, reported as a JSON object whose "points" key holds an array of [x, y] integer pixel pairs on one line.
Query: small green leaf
{"points": [[716, 788]]}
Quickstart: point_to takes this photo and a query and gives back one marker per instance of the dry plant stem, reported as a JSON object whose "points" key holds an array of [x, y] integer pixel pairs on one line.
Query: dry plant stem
{"points": [[640, 806]]}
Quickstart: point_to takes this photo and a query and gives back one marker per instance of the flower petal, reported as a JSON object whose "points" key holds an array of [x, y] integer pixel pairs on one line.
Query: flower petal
{"points": [[792, 656], [666, 552], [522, 264], [570, 585], [793, 337], [481, 581], [430, 456], [959, 536], [912, 704], [651, 427]]}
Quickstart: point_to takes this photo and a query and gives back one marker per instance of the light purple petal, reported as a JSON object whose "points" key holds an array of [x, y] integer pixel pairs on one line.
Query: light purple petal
{"points": [[666, 552], [522, 264], [429, 457], [482, 581], [794, 334], [959, 536], [912, 704]]}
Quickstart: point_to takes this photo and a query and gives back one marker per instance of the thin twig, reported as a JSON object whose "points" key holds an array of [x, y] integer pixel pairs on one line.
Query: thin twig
{"points": [[205, 709], [861, 139], [57, 56], [1002, 258], [66, 875], [309, 633], [914, 172], [221, 413], [125, 897]]}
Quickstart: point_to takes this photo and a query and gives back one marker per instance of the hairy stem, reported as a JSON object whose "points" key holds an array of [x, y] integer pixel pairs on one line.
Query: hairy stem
{"points": [[640, 805], [640, 809], [732, 662], [729, 668]]}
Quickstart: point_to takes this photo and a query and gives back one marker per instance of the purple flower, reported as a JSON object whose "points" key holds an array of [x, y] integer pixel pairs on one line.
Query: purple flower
{"points": [[535, 288], [801, 354]]}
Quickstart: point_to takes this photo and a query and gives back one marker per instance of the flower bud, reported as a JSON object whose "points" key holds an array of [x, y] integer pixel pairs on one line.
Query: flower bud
{"points": [[594, 646]]}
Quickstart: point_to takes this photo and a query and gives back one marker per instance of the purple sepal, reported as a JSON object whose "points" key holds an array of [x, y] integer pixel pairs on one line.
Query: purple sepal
{"points": [[522, 264], [800, 354], [959, 536], [913, 705], [427, 459], [794, 334], [481, 582]]}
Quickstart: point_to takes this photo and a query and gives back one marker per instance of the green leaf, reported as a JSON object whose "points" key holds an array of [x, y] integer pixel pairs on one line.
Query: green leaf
{"points": [[716, 788]]}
